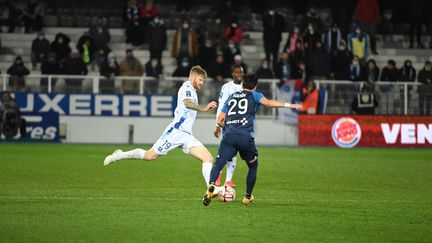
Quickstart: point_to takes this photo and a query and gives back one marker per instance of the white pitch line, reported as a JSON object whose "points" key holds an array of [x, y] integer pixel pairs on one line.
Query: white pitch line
{"points": [[289, 200]]}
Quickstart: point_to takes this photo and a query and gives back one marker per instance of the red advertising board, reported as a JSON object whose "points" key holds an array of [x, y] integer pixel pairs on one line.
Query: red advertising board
{"points": [[365, 131]]}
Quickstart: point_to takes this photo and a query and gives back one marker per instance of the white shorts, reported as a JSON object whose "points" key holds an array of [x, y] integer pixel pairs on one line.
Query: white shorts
{"points": [[173, 138]]}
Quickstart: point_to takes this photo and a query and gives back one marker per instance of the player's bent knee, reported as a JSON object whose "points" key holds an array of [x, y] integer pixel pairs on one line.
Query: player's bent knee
{"points": [[150, 155]]}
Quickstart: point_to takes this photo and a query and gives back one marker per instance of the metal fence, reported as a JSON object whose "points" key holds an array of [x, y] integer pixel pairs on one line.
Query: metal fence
{"points": [[135, 86], [394, 98]]}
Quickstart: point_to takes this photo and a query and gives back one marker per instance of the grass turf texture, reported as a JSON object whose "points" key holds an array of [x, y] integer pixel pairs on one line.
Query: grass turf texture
{"points": [[62, 193]]}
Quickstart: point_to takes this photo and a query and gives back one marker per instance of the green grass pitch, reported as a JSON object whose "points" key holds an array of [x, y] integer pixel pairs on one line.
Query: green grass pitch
{"points": [[62, 193]]}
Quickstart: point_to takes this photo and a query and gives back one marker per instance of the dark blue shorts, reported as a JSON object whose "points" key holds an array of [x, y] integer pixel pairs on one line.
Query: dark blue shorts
{"points": [[233, 143]]}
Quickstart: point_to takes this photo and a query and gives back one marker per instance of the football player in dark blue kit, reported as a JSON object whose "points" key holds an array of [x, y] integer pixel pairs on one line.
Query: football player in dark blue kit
{"points": [[237, 118]]}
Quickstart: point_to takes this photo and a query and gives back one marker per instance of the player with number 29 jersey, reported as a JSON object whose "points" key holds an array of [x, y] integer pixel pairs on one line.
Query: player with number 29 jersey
{"points": [[237, 118], [240, 110]]}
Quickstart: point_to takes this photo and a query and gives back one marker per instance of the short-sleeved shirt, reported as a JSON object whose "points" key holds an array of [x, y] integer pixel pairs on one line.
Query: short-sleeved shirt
{"points": [[226, 91], [240, 110], [184, 118]]}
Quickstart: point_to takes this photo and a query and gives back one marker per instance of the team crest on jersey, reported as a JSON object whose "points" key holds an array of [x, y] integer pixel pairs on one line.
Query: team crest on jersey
{"points": [[188, 94], [346, 132]]}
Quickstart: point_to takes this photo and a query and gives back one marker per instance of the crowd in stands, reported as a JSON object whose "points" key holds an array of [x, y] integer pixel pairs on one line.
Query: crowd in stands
{"points": [[313, 50]]}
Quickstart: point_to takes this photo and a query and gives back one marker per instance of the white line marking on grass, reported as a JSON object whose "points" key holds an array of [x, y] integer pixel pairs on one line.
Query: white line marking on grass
{"points": [[289, 200]]}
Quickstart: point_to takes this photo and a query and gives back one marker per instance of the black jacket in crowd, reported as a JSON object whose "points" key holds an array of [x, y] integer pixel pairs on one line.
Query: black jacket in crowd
{"points": [[391, 75], [157, 37], [340, 65], [40, 46], [135, 33], [273, 25], [74, 66], [62, 50]]}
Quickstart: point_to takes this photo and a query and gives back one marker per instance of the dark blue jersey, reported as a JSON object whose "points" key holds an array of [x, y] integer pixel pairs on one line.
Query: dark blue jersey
{"points": [[240, 109]]}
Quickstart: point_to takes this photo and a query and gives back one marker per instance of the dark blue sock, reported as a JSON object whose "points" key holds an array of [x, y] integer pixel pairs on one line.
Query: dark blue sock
{"points": [[251, 177], [217, 168]]}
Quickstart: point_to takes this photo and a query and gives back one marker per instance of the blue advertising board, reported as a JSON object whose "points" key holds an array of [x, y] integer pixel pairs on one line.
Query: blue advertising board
{"points": [[97, 104], [43, 126]]}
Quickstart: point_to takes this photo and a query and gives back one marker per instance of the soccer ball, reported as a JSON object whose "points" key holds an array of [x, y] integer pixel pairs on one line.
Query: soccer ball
{"points": [[227, 194]]}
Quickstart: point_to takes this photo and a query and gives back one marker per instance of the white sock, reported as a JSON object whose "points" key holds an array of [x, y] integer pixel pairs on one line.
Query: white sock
{"points": [[131, 154], [206, 169], [231, 165]]}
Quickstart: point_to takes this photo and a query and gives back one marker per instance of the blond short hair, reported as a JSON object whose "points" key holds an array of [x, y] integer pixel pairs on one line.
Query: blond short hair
{"points": [[198, 70]]}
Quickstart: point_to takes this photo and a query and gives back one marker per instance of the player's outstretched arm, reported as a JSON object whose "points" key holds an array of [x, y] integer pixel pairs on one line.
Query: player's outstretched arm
{"points": [[194, 106], [279, 104]]}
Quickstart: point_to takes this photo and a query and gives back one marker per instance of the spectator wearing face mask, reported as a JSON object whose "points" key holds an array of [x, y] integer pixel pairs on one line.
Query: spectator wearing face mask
{"points": [[230, 51], [264, 71], [358, 44], [131, 66], [135, 32], [234, 33], [219, 70], [206, 54], [17, 72], [50, 66], [109, 70], [332, 39], [216, 31], [407, 72], [185, 42], [356, 70], [311, 37], [182, 69], [60, 46], [157, 37], [147, 12], [40, 48], [341, 60], [274, 25], [153, 68], [101, 37], [74, 65]]}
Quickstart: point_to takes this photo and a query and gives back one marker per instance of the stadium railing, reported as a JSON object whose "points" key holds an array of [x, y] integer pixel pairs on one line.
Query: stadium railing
{"points": [[394, 98], [144, 85]]}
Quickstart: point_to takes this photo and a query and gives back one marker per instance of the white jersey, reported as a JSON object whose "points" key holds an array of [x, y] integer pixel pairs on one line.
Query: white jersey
{"points": [[226, 91], [184, 118]]}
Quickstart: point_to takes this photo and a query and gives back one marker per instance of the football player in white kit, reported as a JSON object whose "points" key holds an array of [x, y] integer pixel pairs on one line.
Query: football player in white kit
{"points": [[179, 131], [226, 91]]}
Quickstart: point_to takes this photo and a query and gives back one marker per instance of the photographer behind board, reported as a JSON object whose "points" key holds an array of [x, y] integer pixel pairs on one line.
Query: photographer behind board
{"points": [[10, 117]]}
